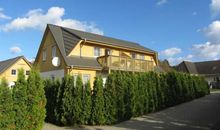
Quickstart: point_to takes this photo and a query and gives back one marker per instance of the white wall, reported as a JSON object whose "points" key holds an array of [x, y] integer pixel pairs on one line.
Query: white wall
{"points": [[57, 74]]}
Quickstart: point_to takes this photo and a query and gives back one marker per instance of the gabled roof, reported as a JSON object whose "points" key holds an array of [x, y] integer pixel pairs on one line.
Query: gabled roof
{"points": [[205, 67], [4, 65], [66, 39], [208, 67]]}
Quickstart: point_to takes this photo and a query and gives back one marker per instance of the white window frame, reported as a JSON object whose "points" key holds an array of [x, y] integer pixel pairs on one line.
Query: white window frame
{"points": [[75, 78], [87, 80], [54, 50], [97, 51], [44, 58], [14, 71], [142, 57]]}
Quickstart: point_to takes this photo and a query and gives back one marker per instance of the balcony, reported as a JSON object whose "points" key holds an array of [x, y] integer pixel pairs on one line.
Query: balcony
{"points": [[126, 64]]}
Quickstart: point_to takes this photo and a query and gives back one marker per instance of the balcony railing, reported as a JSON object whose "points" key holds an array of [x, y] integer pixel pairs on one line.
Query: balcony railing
{"points": [[124, 63]]}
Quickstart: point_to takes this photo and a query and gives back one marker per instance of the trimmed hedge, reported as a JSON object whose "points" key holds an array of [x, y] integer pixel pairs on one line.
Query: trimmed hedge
{"points": [[23, 106], [124, 95]]}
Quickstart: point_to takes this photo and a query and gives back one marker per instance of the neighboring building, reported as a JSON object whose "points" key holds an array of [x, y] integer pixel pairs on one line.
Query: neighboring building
{"points": [[164, 66], [9, 69], [209, 69], [75, 52]]}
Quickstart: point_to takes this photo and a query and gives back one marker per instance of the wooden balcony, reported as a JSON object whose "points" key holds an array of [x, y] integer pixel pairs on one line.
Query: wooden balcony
{"points": [[126, 64]]}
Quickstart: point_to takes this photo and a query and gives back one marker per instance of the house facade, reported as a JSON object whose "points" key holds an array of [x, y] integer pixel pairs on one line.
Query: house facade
{"points": [[209, 69], [68, 51], [9, 69]]}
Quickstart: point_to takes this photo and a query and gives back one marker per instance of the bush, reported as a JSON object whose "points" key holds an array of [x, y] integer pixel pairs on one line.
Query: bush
{"points": [[6, 107], [125, 95]]}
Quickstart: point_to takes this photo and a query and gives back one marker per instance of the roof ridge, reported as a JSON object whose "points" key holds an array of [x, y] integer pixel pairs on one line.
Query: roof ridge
{"points": [[12, 58]]}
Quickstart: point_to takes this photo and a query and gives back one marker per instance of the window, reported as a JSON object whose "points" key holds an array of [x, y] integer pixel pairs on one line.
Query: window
{"points": [[53, 51], [75, 78], [27, 72], [13, 72], [133, 55], [142, 57], [86, 78], [107, 52], [44, 55], [97, 51]]}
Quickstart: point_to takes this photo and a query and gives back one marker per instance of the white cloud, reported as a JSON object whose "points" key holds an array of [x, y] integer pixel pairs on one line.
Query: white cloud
{"points": [[215, 7], [175, 61], [2, 15], [207, 50], [37, 19], [171, 52], [212, 32], [15, 50], [161, 2]]}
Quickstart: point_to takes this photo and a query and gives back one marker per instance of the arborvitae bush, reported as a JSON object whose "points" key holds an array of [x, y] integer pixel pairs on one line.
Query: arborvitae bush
{"points": [[110, 99], [77, 97], [68, 103], [125, 95], [36, 101], [6, 107], [51, 91], [20, 102], [87, 103], [98, 104]]}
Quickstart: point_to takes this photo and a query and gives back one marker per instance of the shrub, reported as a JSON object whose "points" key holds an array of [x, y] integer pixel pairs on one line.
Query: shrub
{"points": [[36, 101], [98, 106], [6, 107], [87, 103]]}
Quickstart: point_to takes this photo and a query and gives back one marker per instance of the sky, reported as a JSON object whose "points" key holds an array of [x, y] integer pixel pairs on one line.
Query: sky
{"points": [[178, 30]]}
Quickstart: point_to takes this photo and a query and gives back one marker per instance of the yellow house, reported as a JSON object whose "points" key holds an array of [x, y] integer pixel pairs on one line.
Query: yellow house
{"points": [[9, 68], [68, 51]]}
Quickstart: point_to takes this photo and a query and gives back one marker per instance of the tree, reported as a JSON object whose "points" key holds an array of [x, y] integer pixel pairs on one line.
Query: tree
{"points": [[98, 106], [20, 102], [36, 101], [77, 97], [110, 99], [6, 107], [87, 103]]}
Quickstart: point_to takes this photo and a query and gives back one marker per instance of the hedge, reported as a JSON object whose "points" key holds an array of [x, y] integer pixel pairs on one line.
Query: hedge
{"points": [[22, 107], [125, 95]]}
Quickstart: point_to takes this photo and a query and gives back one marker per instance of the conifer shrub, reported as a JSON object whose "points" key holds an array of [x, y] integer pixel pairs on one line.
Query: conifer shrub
{"points": [[98, 104], [87, 103], [7, 113], [20, 99]]}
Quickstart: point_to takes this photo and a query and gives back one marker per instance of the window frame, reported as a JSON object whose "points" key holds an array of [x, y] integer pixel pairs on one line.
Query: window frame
{"points": [[88, 79], [133, 55], [27, 72], [15, 72], [44, 55], [97, 51], [54, 51], [142, 57]]}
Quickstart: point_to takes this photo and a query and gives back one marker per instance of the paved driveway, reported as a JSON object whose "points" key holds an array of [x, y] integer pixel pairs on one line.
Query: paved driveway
{"points": [[199, 114]]}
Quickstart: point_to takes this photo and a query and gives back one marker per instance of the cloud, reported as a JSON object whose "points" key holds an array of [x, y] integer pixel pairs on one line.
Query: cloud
{"points": [[194, 13], [171, 52], [161, 2], [15, 50], [37, 19], [207, 50], [175, 61], [2, 15], [215, 7], [212, 32]]}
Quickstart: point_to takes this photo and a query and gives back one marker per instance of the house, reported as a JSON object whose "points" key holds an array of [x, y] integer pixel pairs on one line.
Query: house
{"points": [[209, 69], [67, 51], [9, 68]]}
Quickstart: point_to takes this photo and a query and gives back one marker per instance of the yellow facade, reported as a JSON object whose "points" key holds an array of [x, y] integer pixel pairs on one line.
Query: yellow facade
{"points": [[20, 64], [47, 45], [83, 48]]}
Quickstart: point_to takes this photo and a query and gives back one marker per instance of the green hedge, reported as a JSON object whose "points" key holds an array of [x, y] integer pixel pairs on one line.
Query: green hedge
{"points": [[23, 106], [124, 95]]}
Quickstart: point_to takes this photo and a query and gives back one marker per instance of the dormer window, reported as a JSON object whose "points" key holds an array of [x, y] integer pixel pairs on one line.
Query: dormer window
{"points": [[97, 51]]}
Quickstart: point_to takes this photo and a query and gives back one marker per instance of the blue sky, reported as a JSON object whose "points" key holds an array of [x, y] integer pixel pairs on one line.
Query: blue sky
{"points": [[177, 30]]}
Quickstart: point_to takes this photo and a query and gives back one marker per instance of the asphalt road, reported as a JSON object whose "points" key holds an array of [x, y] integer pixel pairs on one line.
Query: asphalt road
{"points": [[199, 114]]}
